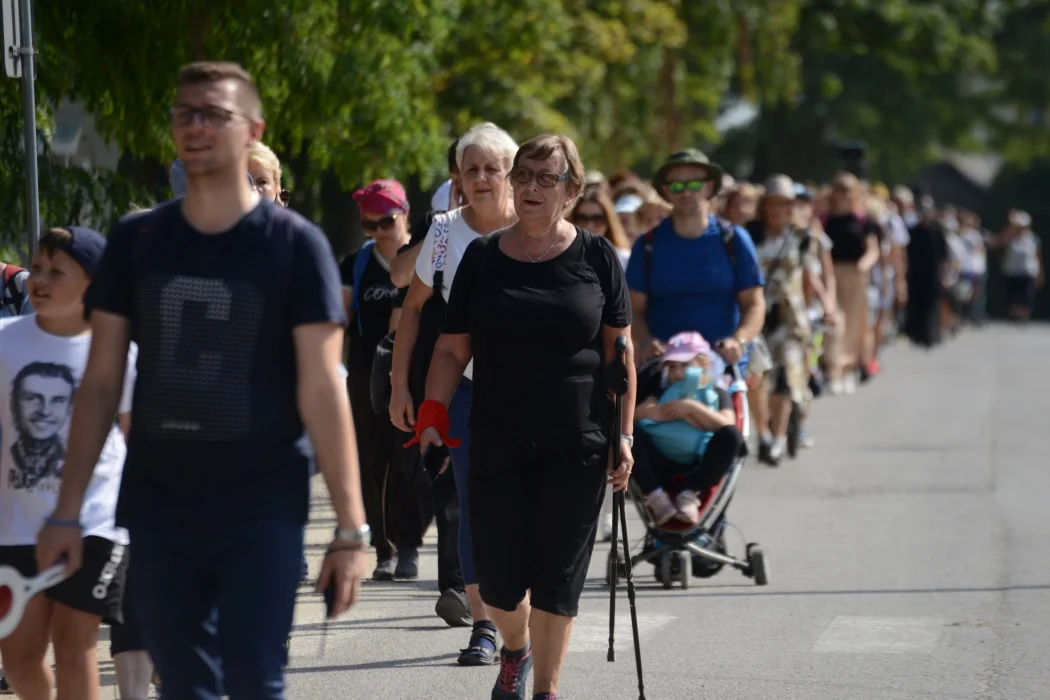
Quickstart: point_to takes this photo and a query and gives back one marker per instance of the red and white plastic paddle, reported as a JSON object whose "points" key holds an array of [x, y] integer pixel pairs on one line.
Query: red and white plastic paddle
{"points": [[16, 591]]}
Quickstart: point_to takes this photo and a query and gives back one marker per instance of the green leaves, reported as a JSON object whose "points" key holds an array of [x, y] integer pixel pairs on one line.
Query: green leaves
{"points": [[358, 89]]}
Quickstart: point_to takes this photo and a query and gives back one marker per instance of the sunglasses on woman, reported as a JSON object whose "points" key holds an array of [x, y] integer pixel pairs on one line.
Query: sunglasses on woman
{"points": [[544, 178], [385, 223], [680, 186]]}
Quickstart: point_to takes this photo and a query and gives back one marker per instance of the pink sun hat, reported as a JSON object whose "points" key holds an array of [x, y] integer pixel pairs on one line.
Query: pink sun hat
{"points": [[686, 346]]}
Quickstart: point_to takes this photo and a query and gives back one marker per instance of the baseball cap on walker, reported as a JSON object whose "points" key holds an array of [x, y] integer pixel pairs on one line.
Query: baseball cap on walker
{"points": [[686, 346]]}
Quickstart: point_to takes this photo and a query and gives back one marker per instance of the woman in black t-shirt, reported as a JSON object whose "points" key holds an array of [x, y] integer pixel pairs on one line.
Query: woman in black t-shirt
{"points": [[538, 306], [397, 513], [855, 251]]}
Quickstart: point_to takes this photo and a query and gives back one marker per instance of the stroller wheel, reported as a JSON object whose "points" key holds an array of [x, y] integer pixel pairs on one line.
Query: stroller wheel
{"points": [[665, 571], [793, 431], [684, 569], [757, 564]]}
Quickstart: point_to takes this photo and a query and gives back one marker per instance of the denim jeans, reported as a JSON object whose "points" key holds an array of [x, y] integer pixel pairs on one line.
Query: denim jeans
{"points": [[216, 609], [459, 428]]}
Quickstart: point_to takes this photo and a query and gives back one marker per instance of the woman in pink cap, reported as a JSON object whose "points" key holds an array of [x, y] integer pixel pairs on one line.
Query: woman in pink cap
{"points": [[687, 427], [395, 511]]}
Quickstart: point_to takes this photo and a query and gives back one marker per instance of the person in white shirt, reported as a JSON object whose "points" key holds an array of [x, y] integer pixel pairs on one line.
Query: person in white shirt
{"points": [[483, 157], [975, 268], [43, 361]]}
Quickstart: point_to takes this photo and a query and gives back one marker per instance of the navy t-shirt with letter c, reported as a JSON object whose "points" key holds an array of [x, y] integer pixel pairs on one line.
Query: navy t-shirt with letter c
{"points": [[216, 436]]}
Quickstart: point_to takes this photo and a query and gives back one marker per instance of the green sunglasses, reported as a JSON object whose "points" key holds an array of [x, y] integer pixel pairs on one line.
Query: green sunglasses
{"points": [[680, 186]]}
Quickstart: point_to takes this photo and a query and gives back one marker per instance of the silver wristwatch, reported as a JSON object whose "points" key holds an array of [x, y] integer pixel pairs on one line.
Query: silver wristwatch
{"points": [[629, 439], [362, 536]]}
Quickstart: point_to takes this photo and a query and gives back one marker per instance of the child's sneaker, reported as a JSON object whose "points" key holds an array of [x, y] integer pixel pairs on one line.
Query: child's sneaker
{"points": [[660, 506], [689, 507]]}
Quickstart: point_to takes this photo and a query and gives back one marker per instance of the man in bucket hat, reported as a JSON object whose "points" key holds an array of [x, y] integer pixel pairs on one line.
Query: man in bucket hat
{"points": [[693, 272]]}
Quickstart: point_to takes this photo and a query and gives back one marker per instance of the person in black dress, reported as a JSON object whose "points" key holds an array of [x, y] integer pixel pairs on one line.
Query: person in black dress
{"points": [[927, 256], [538, 306]]}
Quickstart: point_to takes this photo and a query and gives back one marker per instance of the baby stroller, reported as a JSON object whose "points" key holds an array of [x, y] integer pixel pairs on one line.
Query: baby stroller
{"points": [[680, 551]]}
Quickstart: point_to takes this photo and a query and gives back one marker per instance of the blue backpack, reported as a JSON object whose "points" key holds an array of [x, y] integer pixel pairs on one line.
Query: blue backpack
{"points": [[679, 441], [360, 263]]}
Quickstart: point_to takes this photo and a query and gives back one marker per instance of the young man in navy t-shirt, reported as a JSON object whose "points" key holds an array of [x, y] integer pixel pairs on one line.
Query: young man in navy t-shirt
{"points": [[236, 307]]}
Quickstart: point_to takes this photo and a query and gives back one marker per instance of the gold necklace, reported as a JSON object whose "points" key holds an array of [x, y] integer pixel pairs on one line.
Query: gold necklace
{"points": [[549, 248]]}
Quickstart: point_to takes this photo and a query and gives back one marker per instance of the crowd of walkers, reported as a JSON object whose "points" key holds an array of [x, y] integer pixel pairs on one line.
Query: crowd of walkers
{"points": [[171, 390]]}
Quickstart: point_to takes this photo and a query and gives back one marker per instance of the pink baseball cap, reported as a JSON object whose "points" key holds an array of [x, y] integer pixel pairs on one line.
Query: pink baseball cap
{"points": [[382, 197], [686, 346]]}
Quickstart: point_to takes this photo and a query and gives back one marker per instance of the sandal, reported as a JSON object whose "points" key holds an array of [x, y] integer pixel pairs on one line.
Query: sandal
{"points": [[477, 652]]}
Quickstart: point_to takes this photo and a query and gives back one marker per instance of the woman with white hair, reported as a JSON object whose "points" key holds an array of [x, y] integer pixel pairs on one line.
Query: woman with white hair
{"points": [[483, 155]]}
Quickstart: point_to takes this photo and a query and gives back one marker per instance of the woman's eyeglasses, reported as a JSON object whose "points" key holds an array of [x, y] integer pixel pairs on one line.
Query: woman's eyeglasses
{"points": [[385, 223], [523, 176], [680, 186]]}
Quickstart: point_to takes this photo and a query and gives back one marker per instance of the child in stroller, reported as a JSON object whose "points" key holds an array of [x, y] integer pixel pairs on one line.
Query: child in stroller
{"points": [[689, 431], [689, 450]]}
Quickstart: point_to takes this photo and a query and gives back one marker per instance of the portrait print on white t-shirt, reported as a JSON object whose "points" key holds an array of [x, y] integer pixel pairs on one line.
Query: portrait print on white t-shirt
{"points": [[40, 375], [41, 407]]}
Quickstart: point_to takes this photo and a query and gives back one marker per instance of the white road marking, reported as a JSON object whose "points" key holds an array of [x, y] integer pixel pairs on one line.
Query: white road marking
{"points": [[591, 630], [880, 635]]}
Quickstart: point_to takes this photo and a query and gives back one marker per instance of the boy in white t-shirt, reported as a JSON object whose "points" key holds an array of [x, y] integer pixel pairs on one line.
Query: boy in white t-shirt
{"points": [[42, 360]]}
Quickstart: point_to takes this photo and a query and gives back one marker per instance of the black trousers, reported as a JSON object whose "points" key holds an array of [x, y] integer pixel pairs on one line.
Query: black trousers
{"points": [[652, 469], [398, 511], [442, 504]]}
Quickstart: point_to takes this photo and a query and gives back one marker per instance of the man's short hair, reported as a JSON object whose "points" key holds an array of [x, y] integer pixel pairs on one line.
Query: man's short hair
{"points": [[216, 71]]}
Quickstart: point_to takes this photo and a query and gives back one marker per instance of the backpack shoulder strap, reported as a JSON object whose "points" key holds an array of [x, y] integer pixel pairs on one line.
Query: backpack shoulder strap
{"points": [[727, 231], [364, 254]]}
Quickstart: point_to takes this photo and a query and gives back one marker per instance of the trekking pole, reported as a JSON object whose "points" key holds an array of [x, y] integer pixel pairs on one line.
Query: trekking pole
{"points": [[614, 567], [619, 386]]}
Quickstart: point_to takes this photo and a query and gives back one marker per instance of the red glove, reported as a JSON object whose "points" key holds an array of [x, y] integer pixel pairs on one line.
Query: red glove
{"points": [[433, 414]]}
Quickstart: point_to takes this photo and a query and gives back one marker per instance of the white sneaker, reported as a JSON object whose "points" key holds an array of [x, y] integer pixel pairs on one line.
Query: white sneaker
{"points": [[849, 384], [688, 507], [605, 528], [836, 387]]}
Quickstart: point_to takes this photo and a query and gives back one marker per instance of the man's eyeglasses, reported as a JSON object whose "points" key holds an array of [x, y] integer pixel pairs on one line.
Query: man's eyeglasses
{"points": [[210, 116], [680, 186], [386, 222], [523, 176], [590, 218]]}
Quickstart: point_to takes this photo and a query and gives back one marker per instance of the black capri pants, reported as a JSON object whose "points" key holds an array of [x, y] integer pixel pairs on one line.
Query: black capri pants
{"points": [[534, 513]]}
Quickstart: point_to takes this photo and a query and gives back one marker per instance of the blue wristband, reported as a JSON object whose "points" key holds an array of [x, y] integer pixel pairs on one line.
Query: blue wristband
{"points": [[63, 523]]}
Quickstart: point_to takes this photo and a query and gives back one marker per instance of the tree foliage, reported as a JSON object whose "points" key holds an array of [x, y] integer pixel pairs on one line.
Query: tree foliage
{"points": [[357, 89]]}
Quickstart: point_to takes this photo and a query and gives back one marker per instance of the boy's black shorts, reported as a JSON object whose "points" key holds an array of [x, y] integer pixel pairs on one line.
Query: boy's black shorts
{"points": [[97, 588]]}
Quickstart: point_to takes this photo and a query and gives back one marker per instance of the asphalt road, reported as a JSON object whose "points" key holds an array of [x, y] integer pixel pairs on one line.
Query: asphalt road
{"points": [[908, 550]]}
